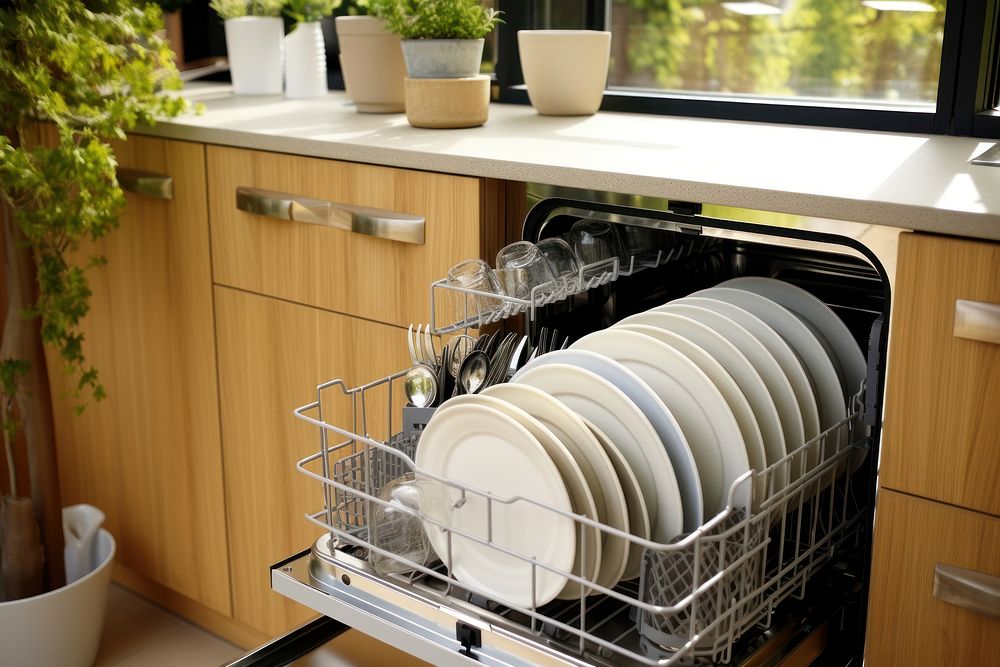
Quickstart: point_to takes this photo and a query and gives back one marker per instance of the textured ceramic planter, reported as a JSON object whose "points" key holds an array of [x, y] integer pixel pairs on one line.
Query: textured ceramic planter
{"points": [[565, 70], [255, 46], [305, 61], [61, 627], [442, 58], [448, 103], [371, 61]]}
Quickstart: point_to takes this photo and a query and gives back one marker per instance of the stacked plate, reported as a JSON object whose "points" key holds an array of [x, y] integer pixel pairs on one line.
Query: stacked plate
{"points": [[643, 429]]}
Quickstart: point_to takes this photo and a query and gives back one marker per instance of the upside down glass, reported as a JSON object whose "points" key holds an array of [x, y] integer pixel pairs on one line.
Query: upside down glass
{"points": [[521, 267], [597, 241], [477, 275], [562, 262]]}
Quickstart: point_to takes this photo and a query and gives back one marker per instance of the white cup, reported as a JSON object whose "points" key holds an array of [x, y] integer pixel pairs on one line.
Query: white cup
{"points": [[565, 70]]}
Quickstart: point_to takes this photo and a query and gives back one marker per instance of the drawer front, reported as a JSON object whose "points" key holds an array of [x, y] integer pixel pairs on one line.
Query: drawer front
{"points": [[907, 624], [332, 268], [942, 416]]}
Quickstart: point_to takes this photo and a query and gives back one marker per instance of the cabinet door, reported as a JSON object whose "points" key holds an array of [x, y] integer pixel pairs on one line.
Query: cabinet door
{"points": [[150, 455], [272, 354], [907, 624], [942, 415]]}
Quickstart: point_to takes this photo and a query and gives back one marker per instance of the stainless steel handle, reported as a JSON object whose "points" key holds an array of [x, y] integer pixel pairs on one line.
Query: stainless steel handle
{"points": [[977, 320], [358, 219], [968, 589], [146, 183]]}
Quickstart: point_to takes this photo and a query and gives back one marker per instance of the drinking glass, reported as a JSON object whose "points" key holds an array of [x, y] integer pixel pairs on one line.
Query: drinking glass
{"points": [[477, 275], [562, 262], [642, 243], [522, 267], [597, 241], [396, 528]]}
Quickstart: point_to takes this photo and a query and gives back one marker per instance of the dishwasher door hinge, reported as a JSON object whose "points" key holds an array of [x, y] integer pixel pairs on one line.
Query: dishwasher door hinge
{"points": [[469, 637]]}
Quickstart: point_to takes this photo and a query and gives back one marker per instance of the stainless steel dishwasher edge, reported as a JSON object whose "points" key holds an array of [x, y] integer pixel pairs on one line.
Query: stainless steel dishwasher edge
{"points": [[442, 625]]}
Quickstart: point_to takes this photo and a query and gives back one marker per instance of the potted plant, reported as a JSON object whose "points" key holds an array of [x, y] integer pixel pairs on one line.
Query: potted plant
{"points": [[371, 61], [59, 188], [305, 49], [442, 43], [442, 39], [254, 44]]}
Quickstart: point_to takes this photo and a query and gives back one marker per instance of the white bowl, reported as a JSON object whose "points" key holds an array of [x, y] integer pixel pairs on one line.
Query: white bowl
{"points": [[565, 70]]}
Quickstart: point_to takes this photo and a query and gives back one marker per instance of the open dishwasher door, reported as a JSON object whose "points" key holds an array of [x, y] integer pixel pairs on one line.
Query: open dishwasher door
{"points": [[785, 579]]}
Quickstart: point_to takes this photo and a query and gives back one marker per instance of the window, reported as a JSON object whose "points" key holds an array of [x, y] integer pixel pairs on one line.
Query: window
{"points": [[878, 64]]}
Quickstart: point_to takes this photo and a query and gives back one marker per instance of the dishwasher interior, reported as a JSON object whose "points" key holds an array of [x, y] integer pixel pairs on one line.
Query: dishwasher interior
{"points": [[751, 585]]}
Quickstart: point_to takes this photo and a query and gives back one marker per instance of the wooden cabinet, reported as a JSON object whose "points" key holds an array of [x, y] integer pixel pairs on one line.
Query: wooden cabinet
{"points": [[941, 445], [150, 455], [272, 354], [907, 624], [334, 269], [942, 416]]}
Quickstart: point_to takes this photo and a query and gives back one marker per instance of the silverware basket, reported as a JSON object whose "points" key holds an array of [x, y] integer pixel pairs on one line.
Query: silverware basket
{"points": [[695, 597]]}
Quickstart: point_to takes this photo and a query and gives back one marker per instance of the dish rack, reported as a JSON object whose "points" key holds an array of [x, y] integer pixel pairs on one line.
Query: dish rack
{"points": [[474, 309], [695, 597]]}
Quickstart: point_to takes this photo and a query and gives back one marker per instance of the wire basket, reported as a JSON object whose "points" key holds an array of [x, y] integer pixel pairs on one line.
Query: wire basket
{"points": [[696, 595]]}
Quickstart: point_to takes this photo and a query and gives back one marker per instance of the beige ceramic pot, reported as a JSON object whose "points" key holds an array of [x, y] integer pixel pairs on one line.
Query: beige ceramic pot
{"points": [[371, 61], [448, 103], [565, 70]]}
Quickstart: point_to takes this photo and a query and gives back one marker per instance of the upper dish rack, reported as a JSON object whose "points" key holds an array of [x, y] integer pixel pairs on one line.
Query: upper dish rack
{"points": [[695, 597], [455, 308]]}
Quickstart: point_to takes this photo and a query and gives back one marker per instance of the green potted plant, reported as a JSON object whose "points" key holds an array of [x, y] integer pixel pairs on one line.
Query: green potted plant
{"points": [[255, 37], [371, 61], [75, 75], [442, 39], [442, 43], [305, 49]]}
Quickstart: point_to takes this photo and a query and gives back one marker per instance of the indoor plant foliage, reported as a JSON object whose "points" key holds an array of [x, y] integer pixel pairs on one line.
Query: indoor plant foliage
{"points": [[305, 49], [441, 38], [254, 44], [91, 70]]}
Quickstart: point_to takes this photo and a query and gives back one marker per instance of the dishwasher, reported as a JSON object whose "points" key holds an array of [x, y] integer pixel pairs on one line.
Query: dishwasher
{"points": [[782, 583]]}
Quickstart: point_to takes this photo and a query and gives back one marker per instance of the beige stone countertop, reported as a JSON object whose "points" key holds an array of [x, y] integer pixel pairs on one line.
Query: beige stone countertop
{"points": [[901, 180]]}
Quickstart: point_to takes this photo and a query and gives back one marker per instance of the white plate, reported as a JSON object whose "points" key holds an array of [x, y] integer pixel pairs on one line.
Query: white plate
{"points": [[831, 331], [822, 374], [701, 411], [638, 516], [766, 350], [588, 550], [616, 414], [597, 470], [736, 398], [489, 451]]}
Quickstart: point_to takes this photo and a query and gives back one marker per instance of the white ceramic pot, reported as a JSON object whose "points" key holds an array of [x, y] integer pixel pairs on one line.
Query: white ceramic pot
{"points": [[565, 70], [305, 61], [255, 47], [61, 627], [442, 58], [372, 64]]}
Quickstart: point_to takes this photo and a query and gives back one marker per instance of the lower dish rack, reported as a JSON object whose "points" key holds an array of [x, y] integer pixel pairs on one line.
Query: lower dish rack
{"points": [[695, 598]]}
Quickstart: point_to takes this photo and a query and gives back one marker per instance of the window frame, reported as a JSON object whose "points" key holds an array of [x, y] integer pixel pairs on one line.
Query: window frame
{"points": [[970, 76]]}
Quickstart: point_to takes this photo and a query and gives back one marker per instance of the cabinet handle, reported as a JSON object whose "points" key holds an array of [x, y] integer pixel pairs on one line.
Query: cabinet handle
{"points": [[968, 589], [146, 183], [358, 219], [977, 320]]}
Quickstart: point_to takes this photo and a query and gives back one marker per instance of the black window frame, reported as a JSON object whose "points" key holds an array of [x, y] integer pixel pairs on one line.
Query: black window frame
{"points": [[968, 85]]}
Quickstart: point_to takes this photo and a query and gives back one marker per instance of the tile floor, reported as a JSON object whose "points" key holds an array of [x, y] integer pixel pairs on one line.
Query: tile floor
{"points": [[138, 633]]}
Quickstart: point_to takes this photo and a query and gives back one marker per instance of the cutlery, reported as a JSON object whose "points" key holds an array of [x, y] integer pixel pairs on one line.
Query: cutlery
{"points": [[421, 386], [515, 358], [459, 347], [442, 377], [473, 372], [429, 351], [409, 344]]}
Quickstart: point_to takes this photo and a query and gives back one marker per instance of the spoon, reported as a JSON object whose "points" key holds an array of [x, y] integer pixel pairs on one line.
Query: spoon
{"points": [[459, 347], [421, 385], [473, 372]]}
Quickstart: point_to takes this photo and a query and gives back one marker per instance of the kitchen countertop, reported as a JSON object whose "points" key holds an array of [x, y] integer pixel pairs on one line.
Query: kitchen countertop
{"points": [[902, 180]]}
